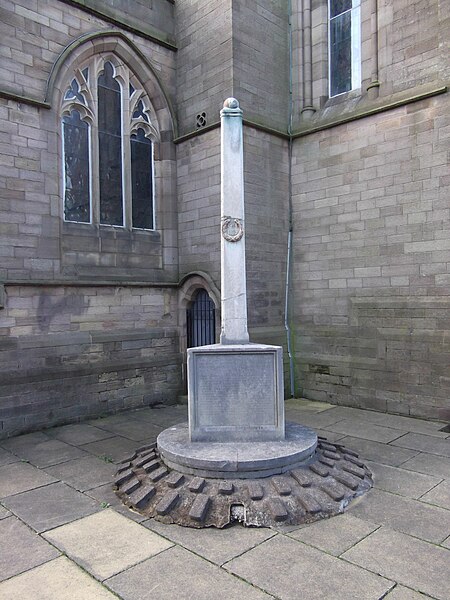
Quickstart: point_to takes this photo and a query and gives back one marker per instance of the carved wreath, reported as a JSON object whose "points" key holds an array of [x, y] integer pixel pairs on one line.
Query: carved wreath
{"points": [[232, 229]]}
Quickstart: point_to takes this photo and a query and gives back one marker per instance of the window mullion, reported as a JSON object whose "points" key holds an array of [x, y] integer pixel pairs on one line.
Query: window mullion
{"points": [[126, 152], [95, 174]]}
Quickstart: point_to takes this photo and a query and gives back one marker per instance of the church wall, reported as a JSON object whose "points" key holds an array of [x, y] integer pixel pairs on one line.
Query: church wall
{"points": [[204, 60], [261, 61], [88, 314], [372, 254]]}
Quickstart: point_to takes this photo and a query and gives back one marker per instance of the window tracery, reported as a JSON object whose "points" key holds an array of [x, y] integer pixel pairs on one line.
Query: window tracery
{"points": [[108, 133]]}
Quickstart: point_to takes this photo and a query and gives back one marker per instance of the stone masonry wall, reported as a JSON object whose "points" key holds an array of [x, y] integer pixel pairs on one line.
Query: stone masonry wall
{"points": [[372, 258], [204, 59], [70, 349], [261, 61], [68, 354]]}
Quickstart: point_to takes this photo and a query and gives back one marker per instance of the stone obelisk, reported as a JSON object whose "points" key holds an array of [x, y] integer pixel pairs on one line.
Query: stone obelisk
{"points": [[235, 460], [233, 277], [235, 388]]}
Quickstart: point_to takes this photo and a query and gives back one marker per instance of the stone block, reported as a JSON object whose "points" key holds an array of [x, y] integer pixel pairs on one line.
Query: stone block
{"points": [[235, 393]]}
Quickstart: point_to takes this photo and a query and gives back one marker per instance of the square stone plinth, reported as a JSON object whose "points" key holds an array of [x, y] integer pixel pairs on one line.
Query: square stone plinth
{"points": [[235, 393]]}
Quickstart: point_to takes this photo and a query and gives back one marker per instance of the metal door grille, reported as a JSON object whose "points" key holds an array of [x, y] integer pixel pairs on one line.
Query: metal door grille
{"points": [[201, 321]]}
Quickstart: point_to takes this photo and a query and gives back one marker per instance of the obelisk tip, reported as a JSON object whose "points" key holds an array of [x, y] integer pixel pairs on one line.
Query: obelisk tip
{"points": [[231, 103]]}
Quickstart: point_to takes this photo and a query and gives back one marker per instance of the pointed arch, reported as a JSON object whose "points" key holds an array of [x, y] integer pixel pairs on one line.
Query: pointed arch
{"points": [[116, 43]]}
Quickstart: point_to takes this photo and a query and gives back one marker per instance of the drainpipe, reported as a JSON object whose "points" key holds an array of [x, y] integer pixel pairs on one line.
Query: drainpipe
{"points": [[289, 246]]}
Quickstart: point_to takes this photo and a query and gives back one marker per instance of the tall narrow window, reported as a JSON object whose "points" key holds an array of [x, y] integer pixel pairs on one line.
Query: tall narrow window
{"points": [[344, 46], [110, 147], [76, 168], [109, 131], [142, 180]]}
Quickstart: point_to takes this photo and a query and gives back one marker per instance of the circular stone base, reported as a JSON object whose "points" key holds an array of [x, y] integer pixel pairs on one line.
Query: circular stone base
{"points": [[321, 487], [231, 460]]}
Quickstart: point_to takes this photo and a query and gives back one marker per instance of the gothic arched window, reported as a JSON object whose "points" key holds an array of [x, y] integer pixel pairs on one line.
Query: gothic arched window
{"points": [[109, 133]]}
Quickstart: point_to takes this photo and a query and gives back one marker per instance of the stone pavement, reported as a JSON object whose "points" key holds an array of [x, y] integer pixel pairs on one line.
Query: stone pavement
{"points": [[64, 535]]}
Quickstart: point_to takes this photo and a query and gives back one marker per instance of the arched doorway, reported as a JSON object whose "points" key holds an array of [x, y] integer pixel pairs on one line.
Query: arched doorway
{"points": [[201, 320]]}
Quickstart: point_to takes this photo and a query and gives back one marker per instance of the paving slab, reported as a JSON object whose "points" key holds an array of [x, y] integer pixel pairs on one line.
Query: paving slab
{"points": [[7, 458], [407, 560], [429, 464], [118, 543], [375, 433], [21, 549], [400, 481], [315, 420], [4, 513], [79, 434], [115, 448], [404, 423], [216, 545], [58, 579], [291, 570], [308, 405], [84, 473], [117, 418], [424, 443], [331, 436], [162, 417], [177, 573], [20, 477], [335, 535], [446, 543], [440, 495], [403, 593], [132, 429], [48, 452], [22, 441], [346, 412], [381, 453], [47, 507], [424, 521]]}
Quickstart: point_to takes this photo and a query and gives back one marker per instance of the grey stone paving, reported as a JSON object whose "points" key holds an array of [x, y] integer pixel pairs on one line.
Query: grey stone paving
{"points": [[20, 477], [419, 519], [21, 549], [402, 482], [394, 543], [407, 560], [50, 506], [6, 457], [84, 473]]}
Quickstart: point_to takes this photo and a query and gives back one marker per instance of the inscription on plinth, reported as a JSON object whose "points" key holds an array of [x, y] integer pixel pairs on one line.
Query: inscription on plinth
{"points": [[235, 393]]}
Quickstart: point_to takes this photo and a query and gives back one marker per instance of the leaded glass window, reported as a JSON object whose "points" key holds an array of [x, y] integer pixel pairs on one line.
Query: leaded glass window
{"points": [[344, 46], [108, 138], [142, 180], [76, 168], [110, 147]]}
